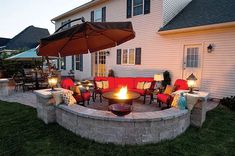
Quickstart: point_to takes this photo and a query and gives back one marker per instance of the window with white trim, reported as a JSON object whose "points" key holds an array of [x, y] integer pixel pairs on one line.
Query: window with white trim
{"points": [[63, 63], [192, 60], [128, 56], [98, 15], [138, 7], [78, 61]]}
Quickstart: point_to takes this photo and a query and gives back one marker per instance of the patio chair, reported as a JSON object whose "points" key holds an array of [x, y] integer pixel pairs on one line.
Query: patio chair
{"points": [[18, 80], [180, 84], [85, 95], [28, 83]]}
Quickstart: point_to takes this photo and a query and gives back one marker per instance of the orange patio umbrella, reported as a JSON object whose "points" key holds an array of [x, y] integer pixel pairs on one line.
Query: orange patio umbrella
{"points": [[86, 37]]}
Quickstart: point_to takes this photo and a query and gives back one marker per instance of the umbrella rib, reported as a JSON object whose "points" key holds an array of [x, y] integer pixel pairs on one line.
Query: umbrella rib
{"points": [[64, 45], [108, 37]]}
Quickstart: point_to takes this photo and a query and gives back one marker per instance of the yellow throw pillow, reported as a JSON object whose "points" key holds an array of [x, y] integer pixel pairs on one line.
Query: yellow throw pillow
{"points": [[57, 96], [68, 98], [76, 90], [168, 89], [147, 85], [105, 84], [99, 84], [140, 85], [175, 101]]}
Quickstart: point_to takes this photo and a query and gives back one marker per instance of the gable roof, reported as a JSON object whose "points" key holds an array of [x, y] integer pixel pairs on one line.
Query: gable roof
{"points": [[28, 38], [4, 41], [201, 13], [80, 8]]}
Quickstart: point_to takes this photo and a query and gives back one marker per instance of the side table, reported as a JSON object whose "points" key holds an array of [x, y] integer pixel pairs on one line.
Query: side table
{"points": [[152, 93]]}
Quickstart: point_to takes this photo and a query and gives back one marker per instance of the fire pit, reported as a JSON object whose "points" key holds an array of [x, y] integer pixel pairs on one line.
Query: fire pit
{"points": [[122, 97], [120, 109]]}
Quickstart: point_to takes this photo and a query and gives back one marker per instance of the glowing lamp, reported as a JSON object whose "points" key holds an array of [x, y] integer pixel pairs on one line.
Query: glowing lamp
{"points": [[158, 78], [52, 81], [191, 82]]}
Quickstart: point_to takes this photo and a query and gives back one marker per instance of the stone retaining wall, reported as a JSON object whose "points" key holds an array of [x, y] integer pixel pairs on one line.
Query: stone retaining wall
{"points": [[105, 127], [135, 128]]}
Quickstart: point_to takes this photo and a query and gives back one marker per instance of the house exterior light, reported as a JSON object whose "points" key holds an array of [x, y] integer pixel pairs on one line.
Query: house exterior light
{"points": [[191, 82]]}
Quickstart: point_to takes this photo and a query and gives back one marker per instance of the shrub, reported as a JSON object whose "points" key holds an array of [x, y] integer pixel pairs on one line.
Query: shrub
{"points": [[229, 102]]}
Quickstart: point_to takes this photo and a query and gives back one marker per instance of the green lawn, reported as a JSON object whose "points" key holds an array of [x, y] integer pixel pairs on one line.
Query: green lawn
{"points": [[21, 133]]}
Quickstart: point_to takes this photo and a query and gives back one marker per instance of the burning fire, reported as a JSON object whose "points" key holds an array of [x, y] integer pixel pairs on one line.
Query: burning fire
{"points": [[122, 94]]}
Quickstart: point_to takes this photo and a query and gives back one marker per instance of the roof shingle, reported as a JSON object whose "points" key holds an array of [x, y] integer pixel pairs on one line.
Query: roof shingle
{"points": [[203, 12]]}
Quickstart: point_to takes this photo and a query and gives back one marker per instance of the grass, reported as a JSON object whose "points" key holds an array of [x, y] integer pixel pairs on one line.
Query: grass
{"points": [[21, 133]]}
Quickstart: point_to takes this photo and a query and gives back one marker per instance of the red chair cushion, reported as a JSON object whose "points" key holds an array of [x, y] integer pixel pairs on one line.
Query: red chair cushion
{"points": [[86, 96], [163, 98], [181, 84], [67, 83], [83, 97]]}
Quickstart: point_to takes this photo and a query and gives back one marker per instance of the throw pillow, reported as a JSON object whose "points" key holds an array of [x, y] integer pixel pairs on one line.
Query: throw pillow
{"points": [[147, 85], [57, 96], [99, 84], [76, 90], [68, 98], [140, 85], [105, 84], [175, 101], [168, 90]]}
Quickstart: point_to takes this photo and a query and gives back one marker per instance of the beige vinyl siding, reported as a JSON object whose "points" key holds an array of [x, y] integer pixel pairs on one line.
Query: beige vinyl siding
{"points": [[171, 8], [165, 52], [218, 70]]}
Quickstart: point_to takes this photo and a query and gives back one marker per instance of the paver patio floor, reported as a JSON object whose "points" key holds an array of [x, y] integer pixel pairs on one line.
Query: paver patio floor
{"points": [[28, 98]]}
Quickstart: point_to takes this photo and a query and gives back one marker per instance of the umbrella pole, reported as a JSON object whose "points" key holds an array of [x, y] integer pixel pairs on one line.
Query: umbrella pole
{"points": [[48, 64]]}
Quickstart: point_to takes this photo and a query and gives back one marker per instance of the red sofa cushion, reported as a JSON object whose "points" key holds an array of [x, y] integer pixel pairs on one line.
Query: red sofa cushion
{"points": [[124, 81], [107, 90], [181, 84], [111, 82], [140, 91]]}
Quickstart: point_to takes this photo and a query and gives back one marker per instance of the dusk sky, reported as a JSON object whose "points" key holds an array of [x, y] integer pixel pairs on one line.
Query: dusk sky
{"points": [[16, 15]]}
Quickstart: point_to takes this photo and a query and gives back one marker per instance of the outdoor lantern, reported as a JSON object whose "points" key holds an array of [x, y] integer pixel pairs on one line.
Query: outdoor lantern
{"points": [[52, 81], [158, 78], [210, 48], [191, 82]]}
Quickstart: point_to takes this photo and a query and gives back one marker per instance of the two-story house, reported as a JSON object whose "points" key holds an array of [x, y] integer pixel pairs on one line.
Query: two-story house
{"points": [[181, 36]]}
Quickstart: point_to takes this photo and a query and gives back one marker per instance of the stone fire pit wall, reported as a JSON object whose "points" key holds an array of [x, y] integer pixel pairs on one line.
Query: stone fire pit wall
{"points": [[105, 127]]}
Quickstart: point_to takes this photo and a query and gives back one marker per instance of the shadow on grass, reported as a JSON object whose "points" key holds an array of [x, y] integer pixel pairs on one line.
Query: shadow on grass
{"points": [[22, 133]]}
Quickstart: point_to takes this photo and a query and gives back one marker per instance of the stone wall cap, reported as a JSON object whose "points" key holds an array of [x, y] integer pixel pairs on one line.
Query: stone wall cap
{"points": [[47, 93], [133, 116], [4, 80]]}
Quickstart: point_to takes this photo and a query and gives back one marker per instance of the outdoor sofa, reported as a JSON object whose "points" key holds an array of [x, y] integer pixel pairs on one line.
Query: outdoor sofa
{"points": [[115, 83]]}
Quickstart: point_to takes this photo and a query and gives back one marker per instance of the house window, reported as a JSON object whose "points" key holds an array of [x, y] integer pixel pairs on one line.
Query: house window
{"points": [[73, 62], [192, 57], [98, 15], [67, 25], [128, 56], [63, 63], [138, 7], [79, 62]]}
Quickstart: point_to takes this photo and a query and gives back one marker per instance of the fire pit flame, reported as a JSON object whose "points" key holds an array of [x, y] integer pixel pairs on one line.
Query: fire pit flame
{"points": [[122, 94]]}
